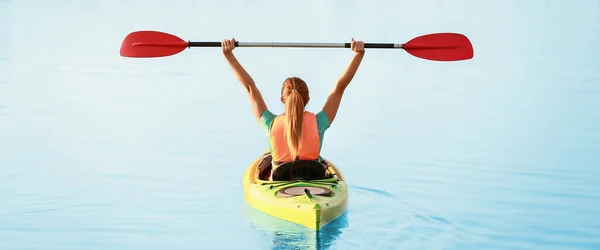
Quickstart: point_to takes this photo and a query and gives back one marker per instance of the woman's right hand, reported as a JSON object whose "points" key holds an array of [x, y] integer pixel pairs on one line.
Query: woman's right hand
{"points": [[228, 45], [357, 46]]}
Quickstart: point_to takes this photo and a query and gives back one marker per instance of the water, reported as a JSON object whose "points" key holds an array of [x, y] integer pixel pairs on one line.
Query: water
{"points": [[103, 152]]}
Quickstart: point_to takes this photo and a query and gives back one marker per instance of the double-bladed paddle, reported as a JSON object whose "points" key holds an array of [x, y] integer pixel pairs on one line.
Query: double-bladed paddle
{"points": [[436, 47]]}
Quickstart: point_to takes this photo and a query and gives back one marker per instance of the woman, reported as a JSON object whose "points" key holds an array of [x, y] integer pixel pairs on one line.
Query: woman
{"points": [[296, 134]]}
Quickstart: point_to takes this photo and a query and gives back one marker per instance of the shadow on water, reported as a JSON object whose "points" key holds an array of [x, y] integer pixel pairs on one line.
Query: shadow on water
{"points": [[287, 235]]}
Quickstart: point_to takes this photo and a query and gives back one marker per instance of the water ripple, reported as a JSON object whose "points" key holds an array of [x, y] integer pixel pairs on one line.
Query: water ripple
{"points": [[370, 190]]}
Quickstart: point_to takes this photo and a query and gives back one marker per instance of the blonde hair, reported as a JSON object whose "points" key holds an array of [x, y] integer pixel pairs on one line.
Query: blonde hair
{"points": [[294, 94]]}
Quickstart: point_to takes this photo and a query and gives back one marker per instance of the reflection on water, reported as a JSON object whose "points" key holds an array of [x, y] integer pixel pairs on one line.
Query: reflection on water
{"points": [[286, 235]]}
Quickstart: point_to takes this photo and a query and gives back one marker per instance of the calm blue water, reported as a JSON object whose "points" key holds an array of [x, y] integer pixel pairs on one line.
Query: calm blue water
{"points": [[103, 152]]}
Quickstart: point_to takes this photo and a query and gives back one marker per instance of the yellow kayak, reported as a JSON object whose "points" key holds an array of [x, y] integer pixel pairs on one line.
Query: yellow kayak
{"points": [[310, 203]]}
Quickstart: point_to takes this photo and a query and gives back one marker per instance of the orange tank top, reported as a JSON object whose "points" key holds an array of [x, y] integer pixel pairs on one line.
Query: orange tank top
{"points": [[309, 143]]}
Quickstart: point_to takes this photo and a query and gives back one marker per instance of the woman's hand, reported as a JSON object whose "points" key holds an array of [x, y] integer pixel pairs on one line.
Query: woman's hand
{"points": [[228, 45], [357, 46]]}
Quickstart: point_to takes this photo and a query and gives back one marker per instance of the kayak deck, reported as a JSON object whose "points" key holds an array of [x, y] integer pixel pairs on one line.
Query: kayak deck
{"points": [[311, 203]]}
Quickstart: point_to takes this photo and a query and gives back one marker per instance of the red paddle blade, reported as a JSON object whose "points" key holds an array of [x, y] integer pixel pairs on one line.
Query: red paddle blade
{"points": [[151, 44], [440, 47]]}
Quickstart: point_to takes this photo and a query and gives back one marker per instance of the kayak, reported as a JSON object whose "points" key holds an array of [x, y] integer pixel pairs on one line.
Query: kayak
{"points": [[310, 203]]}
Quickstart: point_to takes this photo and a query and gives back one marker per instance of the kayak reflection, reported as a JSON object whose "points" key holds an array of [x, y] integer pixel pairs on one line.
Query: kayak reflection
{"points": [[288, 235]]}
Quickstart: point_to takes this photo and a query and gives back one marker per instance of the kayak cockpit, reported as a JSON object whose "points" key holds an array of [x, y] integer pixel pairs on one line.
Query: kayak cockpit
{"points": [[300, 170], [289, 171]]}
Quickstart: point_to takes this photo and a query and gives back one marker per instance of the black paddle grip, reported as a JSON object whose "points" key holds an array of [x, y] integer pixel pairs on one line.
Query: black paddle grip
{"points": [[205, 44], [375, 45]]}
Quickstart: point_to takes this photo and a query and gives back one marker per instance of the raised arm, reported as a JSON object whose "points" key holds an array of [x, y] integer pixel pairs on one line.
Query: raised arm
{"points": [[335, 97], [256, 100]]}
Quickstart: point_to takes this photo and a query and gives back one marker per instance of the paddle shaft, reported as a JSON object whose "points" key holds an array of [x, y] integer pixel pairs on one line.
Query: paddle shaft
{"points": [[297, 45]]}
